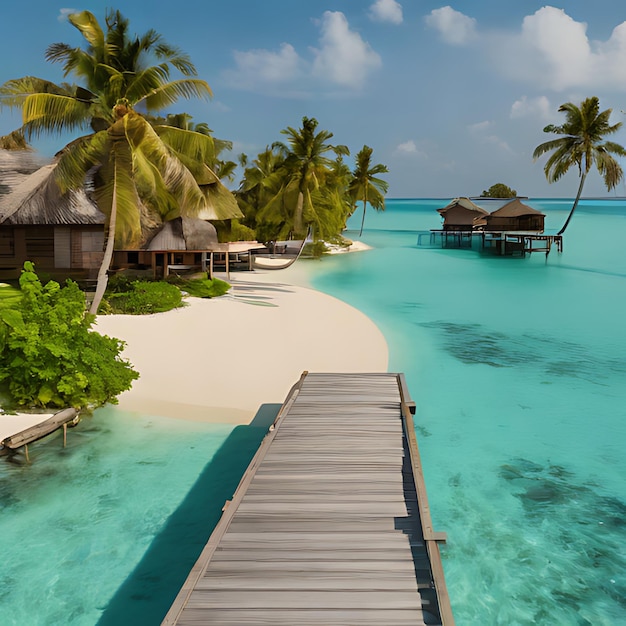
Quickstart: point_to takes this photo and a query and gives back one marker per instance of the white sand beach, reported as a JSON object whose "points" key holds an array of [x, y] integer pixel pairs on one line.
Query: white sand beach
{"points": [[220, 359]]}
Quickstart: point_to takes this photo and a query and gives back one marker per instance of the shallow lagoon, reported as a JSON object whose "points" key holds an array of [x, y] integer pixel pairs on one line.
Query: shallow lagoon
{"points": [[517, 368]]}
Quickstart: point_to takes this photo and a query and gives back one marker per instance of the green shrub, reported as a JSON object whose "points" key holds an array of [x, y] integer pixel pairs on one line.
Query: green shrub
{"points": [[50, 357], [144, 297], [9, 295], [203, 287]]}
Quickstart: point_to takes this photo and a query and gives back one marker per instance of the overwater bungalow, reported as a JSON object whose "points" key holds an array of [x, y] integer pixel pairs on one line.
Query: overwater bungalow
{"points": [[513, 229], [513, 216], [460, 213]]}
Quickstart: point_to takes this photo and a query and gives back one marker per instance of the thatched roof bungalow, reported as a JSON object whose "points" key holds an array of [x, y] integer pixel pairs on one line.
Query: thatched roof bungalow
{"points": [[63, 234], [53, 230], [513, 216], [460, 214]]}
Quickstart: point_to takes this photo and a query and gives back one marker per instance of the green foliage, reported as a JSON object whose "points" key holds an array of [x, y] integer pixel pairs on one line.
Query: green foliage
{"points": [[499, 190], [50, 355], [240, 232], [9, 295], [142, 297], [203, 287], [296, 185]]}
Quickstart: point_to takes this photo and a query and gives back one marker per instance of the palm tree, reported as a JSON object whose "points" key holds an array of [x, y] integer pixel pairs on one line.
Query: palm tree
{"points": [[365, 185], [582, 144], [304, 169], [135, 167]]}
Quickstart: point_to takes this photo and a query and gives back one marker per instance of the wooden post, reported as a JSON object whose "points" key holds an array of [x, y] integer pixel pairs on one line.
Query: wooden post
{"points": [[26, 451], [64, 434]]}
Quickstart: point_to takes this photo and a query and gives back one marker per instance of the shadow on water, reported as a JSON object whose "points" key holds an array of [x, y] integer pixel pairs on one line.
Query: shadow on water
{"points": [[147, 594]]}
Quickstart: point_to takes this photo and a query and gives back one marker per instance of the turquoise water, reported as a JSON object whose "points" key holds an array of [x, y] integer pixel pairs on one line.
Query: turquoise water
{"points": [[106, 530], [517, 368]]}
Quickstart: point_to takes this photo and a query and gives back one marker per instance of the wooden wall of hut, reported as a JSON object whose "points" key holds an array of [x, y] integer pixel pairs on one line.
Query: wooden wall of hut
{"points": [[58, 251]]}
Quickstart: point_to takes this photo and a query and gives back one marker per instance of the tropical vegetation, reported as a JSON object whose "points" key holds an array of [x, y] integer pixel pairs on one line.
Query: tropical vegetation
{"points": [[142, 169], [582, 144], [365, 184], [499, 190], [304, 183], [50, 357]]}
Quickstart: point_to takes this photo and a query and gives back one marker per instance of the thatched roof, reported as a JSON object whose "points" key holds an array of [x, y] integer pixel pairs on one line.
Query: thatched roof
{"points": [[184, 233], [37, 200], [464, 203], [515, 208]]}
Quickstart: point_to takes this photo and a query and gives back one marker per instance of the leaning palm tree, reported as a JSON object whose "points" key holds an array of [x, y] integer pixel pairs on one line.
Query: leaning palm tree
{"points": [[135, 167], [365, 185], [582, 144]]}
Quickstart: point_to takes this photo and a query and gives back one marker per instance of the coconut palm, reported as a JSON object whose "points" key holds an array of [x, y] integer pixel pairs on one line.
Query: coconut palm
{"points": [[303, 171], [135, 167], [582, 144], [365, 186]]}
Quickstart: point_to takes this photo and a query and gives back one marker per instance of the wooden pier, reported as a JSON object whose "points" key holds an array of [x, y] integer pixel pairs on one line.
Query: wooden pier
{"points": [[499, 243], [330, 523], [39, 429]]}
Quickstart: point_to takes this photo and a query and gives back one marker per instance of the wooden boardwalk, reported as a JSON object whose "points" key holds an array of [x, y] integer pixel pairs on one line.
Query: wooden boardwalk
{"points": [[330, 523]]}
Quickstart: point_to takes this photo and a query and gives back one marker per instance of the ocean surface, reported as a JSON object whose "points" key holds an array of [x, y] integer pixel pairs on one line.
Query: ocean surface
{"points": [[518, 370]]}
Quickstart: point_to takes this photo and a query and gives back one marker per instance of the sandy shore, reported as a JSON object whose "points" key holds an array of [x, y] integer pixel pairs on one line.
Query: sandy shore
{"points": [[221, 359]]}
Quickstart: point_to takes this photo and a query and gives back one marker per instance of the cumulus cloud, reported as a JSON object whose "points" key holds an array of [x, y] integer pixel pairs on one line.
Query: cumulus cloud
{"points": [[386, 11], [550, 50], [343, 58], [409, 149], [454, 27], [265, 66], [531, 107]]}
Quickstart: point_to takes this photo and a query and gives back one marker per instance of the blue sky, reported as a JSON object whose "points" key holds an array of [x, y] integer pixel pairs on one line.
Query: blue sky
{"points": [[452, 98]]}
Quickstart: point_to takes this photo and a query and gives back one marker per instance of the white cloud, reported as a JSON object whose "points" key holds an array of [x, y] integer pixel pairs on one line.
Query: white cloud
{"points": [[479, 127], [344, 58], [386, 11], [553, 51], [531, 107], [480, 132], [408, 147], [454, 27], [264, 66], [63, 13]]}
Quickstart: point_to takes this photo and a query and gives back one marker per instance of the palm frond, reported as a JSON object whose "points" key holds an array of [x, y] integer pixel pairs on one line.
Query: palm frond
{"points": [[177, 178], [89, 28], [79, 157], [194, 145], [169, 93], [44, 112]]}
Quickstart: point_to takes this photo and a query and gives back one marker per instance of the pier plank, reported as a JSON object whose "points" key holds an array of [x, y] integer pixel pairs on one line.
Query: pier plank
{"points": [[326, 526]]}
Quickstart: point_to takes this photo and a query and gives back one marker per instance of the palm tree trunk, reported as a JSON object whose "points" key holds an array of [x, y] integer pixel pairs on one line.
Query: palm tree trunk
{"points": [[364, 207], [297, 217], [103, 276], [580, 190]]}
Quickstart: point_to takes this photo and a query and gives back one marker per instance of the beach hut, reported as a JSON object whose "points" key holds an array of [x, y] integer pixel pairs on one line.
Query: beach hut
{"points": [[513, 216], [460, 214], [63, 234], [60, 233]]}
